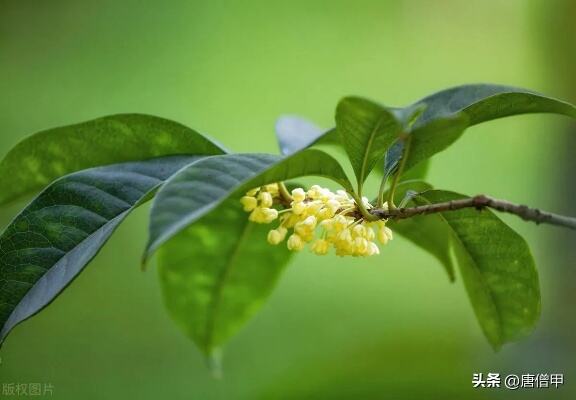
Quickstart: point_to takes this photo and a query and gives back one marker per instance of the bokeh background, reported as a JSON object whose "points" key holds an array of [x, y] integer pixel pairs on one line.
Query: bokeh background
{"points": [[389, 327]]}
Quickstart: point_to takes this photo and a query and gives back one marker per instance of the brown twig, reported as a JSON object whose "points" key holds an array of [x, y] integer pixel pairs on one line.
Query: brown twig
{"points": [[479, 202]]}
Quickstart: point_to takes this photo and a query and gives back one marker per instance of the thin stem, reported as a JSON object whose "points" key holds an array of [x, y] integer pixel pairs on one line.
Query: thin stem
{"points": [[407, 142], [283, 190], [380, 202], [479, 202], [365, 213]]}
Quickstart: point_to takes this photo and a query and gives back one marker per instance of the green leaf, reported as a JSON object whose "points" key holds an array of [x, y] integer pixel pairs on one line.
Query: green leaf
{"points": [[296, 133], [497, 269], [366, 130], [51, 241], [449, 113], [48, 155], [485, 102], [200, 188], [216, 267], [217, 273], [433, 138], [428, 232]]}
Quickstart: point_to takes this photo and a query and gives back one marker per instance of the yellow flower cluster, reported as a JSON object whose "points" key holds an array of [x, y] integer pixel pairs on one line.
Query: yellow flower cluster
{"points": [[335, 216]]}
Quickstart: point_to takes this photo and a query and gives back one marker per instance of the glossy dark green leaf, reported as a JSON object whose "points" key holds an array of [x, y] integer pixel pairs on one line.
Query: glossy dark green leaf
{"points": [[296, 133], [196, 190], [497, 269], [366, 131], [485, 102], [51, 241], [45, 156], [447, 114], [433, 138], [428, 232], [217, 273]]}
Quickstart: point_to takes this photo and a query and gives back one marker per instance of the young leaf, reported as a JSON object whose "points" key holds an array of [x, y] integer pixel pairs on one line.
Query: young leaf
{"points": [[48, 155], [217, 273], [51, 241], [366, 130], [200, 188], [497, 269], [295, 133]]}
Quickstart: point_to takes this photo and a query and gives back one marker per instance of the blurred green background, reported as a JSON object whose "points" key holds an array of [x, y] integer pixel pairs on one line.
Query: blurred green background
{"points": [[389, 327]]}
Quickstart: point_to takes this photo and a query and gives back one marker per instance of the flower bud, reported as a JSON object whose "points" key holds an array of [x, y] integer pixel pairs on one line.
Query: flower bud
{"points": [[249, 203], [384, 235], [270, 214], [359, 230], [370, 235], [340, 222], [372, 249], [266, 199], [320, 247], [325, 214], [275, 236], [295, 242], [298, 208], [361, 245], [298, 195], [333, 205], [272, 188]]}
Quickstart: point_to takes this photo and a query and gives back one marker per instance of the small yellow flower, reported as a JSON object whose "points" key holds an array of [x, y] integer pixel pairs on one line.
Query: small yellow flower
{"points": [[373, 249], [249, 203], [340, 222], [314, 192], [359, 230], [298, 208], [298, 195], [263, 215], [335, 213], [275, 236], [333, 205], [324, 214], [272, 189], [266, 199], [370, 235], [360, 245], [320, 247], [270, 214], [295, 242], [384, 234]]}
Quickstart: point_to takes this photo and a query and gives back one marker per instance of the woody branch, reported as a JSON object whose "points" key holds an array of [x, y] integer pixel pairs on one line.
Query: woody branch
{"points": [[480, 202]]}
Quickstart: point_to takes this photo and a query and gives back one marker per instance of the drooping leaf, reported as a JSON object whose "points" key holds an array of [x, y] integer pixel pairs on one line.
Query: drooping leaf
{"points": [[217, 273], [196, 190], [366, 131], [45, 156], [497, 269], [51, 241], [428, 232]]}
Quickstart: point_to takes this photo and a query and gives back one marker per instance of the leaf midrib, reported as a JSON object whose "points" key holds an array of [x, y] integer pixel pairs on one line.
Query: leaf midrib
{"points": [[367, 152], [475, 264], [223, 277]]}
